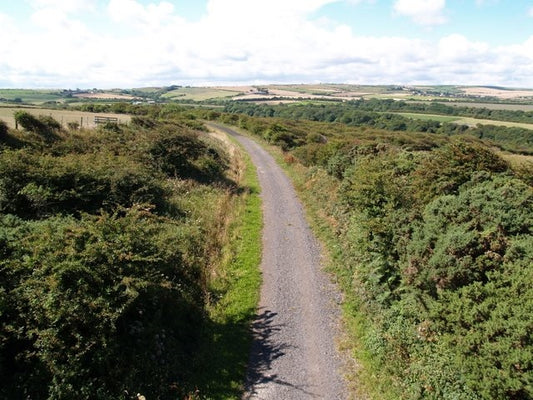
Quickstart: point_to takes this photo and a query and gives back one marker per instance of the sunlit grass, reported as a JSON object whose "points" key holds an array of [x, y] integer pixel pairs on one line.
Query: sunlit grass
{"points": [[234, 288]]}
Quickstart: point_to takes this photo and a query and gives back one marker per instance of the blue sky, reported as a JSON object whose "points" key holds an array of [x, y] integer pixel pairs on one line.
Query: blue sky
{"points": [[133, 43]]}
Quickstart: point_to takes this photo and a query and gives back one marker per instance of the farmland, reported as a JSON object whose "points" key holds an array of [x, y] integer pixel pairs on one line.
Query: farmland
{"points": [[460, 96], [30, 96], [199, 94], [466, 120], [85, 119], [493, 106]]}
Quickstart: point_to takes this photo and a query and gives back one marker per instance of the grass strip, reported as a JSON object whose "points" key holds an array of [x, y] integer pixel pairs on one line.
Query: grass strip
{"points": [[222, 366]]}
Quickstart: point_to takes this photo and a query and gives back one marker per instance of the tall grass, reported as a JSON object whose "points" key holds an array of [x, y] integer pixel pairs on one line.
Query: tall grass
{"points": [[234, 287]]}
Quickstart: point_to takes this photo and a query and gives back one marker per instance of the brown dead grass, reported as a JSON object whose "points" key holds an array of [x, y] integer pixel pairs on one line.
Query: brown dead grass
{"points": [[499, 93], [107, 95], [86, 119]]}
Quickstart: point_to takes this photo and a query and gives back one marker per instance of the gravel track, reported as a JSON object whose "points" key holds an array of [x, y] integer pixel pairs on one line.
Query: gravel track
{"points": [[294, 354]]}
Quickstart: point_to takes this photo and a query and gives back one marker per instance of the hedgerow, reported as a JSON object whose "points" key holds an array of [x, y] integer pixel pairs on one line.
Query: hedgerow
{"points": [[106, 243]]}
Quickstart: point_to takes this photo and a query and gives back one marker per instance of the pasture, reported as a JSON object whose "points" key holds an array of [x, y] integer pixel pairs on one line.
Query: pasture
{"points": [[492, 106], [432, 117], [466, 120], [30, 96], [199, 93], [85, 119]]}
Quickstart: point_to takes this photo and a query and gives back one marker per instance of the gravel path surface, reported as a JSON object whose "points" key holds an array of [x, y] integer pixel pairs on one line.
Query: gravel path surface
{"points": [[294, 354]]}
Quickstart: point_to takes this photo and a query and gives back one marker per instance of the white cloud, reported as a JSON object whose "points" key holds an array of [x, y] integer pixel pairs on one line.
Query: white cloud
{"points": [[531, 12], [70, 6], [132, 12], [423, 12], [239, 41], [457, 48]]}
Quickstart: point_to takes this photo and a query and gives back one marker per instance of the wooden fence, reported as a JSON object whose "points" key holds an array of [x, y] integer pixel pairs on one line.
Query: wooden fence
{"points": [[105, 120]]}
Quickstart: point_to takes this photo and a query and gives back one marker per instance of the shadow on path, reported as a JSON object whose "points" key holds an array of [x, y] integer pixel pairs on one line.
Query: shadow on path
{"points": [[265, 350]]}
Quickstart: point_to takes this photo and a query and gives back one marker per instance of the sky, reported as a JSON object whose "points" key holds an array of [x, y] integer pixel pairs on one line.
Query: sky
{"points": [[137, 43]]}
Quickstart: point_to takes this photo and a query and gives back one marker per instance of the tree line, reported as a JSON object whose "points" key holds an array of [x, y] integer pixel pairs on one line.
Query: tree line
{"points": [[381, 114]]}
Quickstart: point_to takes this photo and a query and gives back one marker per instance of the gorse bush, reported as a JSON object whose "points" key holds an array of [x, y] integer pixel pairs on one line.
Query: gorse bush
{"points": [[104, 308], [441, 270], [105, 243], [36, 186], [43, 125]]}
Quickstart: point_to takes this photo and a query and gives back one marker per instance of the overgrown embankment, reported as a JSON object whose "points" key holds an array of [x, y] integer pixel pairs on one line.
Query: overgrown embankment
{"points": [[118, 259], [432, 240]]}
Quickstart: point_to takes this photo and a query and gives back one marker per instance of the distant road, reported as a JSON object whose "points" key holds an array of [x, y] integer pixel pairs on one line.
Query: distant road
{"points": [[294, 354]]}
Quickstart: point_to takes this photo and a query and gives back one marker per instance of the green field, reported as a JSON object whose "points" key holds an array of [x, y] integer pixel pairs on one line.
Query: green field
{"points": [[30, 96], [198, 94], [475, 121], [432, 117], [85, 119], [492, 106], [465, 120]]}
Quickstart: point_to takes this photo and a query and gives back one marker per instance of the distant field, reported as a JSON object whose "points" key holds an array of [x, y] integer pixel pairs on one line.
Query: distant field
{"points": [[63, 116], [105, 95], [433, 117], [31, 96], [492, 106], [501, 93], [199, 94], [466, 120], [475, 121]]}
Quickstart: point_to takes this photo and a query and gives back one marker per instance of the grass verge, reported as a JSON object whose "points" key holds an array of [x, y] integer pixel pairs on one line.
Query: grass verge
{"points": [[234, 287]]}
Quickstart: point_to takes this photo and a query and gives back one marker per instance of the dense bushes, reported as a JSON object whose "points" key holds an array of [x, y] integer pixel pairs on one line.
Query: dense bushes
{"points": [[44, 126], [104, 251], [97, 307], [441, 251], [36, 185]]}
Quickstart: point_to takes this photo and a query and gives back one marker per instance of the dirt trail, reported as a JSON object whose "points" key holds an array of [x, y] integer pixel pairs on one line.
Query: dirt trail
{"points": [[294, 354]]}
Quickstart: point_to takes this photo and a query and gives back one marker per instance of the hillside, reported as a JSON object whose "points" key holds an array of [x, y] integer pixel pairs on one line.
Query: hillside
{"points": [[484, 95]]}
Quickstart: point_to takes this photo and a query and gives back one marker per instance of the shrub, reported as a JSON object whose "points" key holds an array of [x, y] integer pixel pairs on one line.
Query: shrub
{"points": [[4, 130], [73, 126], [97, 307], [465, 237], [33, 186], [44, 126], [448, 167]]}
